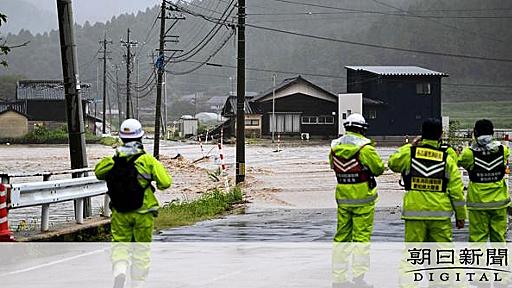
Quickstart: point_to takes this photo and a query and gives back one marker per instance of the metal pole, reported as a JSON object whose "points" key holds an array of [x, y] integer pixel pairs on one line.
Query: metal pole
{"points": [[161, 57], [74, 110], [119, 108], [240, 103], [273, 124], [138, 92], [164, 130], [104, 83], [128, 60]]}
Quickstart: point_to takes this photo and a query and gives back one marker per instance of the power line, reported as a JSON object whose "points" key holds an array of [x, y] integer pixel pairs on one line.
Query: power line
{"points": [[199, 28], [313, 13], [499, 86], [362, 43], [207, 59], [208, 37], [381, 46], [435, 22], [385, 13]]}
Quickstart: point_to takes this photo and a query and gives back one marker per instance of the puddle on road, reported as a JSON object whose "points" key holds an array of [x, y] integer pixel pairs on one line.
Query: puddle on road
{"points": [[287, 225]]}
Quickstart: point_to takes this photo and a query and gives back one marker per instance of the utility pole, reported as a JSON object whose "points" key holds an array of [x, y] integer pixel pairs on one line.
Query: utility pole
{"points": [[160, 66], [160, 63], [240, 96], [273, 124], [119, 108], [72, 95], [105, 42], [138, 92], [164, 130], [128, 44]]}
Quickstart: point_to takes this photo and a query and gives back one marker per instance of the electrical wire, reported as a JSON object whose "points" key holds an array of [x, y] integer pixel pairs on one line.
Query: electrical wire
{"points": [[436, 22], [208, 37], [207, 59], [455, 55]]}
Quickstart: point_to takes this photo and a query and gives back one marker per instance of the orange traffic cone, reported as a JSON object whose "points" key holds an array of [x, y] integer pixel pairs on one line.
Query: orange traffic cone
{"points": [[507, 168], [5, 233]]}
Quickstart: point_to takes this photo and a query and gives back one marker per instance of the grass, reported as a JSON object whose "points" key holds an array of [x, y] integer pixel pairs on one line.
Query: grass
{"points": [[109, 141], [43, 135], [208, 206], [468, 112]]}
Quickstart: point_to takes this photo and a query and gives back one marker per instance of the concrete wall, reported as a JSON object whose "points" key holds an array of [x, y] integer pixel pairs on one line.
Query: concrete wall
{"points": [[13, 125]]}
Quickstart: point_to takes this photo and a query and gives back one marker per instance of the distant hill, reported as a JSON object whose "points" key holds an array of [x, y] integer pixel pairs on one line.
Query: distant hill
{"points": [[442, 26]]}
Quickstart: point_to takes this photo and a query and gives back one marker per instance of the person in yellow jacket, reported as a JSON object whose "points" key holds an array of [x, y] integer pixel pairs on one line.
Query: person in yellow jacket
{"points": [[487, 198], [356, 163], [129, 174], [433, 184]]}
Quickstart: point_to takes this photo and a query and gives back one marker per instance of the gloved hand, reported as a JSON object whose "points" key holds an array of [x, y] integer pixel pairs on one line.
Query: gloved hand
{"points": [[459, 224]]}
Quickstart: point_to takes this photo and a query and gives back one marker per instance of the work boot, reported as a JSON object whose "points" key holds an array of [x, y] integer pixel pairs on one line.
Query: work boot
{"points": [[119, 281]]}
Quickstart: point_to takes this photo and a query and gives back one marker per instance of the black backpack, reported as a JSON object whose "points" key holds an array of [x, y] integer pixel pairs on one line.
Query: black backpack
{"points": [[126, 193]]}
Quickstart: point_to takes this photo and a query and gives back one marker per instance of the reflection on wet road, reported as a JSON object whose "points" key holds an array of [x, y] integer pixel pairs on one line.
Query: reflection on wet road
{"points": [[287, 225]]}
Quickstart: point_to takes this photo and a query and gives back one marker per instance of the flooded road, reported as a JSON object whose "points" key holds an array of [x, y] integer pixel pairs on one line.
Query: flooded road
{"points": [[291, 196], [290, 193], [288, 225]]}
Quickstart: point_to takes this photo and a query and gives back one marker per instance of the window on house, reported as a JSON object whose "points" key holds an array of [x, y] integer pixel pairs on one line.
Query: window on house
{"points": [[418, 117], [309, 120], [344, 116], [423, 88], [318, 120], [252, 122]]}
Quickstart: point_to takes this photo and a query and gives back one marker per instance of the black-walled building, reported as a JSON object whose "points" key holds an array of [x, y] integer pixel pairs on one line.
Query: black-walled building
{"points": [[300, 107], [409, 94], [44, 102]]}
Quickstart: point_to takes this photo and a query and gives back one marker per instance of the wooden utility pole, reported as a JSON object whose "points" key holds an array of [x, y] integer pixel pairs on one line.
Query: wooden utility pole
{"points": [[105, 42], [128, 44], [73, 100], [160, 72], [240, 96]]}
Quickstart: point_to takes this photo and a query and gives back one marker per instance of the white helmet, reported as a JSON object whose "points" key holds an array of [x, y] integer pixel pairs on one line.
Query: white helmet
{"points": [[131, 129], [355, 120]]}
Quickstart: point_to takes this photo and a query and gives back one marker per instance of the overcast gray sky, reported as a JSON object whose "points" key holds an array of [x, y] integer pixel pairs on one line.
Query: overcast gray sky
{"points": [[43, 12]]}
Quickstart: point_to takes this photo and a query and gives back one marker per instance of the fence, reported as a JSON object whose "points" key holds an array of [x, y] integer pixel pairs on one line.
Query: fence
{"points": [[46, 192]]}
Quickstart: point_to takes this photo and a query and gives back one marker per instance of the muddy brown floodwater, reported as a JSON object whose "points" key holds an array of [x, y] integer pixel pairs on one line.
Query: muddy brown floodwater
{"points": [[290, 193]]}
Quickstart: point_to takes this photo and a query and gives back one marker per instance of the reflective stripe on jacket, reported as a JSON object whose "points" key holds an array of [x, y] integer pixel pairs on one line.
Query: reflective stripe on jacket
{"points": [[485, 196], [430, 205], [356, 194]]}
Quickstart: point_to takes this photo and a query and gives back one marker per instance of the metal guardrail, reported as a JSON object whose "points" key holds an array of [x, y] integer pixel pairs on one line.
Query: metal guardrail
{"points": [[6, 177], [45, 193]]}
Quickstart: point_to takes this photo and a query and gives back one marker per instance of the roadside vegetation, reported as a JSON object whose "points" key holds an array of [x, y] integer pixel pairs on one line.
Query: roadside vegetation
{"points": [[208, 206], [177, 213], [466, 113], [43, 135]]}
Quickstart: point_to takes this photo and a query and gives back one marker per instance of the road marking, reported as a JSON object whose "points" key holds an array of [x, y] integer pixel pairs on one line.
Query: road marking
{"points": [[52, 263]]}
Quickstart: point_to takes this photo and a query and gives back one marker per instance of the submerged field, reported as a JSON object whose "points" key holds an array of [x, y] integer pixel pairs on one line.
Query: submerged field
{"points": [[500, 112]]}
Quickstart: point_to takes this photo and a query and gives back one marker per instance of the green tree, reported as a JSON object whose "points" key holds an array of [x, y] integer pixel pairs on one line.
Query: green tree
{"points": [[4, 48]]}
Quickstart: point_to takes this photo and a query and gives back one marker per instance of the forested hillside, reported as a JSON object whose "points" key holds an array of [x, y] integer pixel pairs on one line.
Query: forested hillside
{"points": [[461, 27]]}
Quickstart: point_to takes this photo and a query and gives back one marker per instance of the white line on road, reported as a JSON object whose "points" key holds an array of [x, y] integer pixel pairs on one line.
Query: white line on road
{"points": [[52, 263]]}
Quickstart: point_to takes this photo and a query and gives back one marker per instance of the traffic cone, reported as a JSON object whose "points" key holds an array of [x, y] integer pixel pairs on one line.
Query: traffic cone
{"points": [[5, 233], [507, 168]]}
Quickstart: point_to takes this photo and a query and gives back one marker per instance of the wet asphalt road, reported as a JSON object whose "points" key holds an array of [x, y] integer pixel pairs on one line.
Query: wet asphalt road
{"points": [[287, 225]]}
